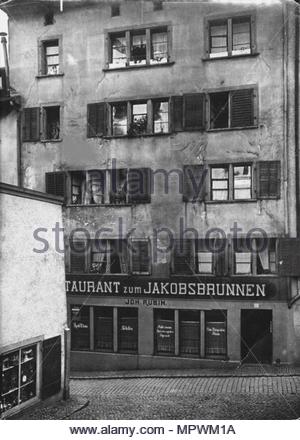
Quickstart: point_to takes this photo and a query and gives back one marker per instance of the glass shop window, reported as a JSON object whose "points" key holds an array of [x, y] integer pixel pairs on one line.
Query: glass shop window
{"points": [[80, 327], [18, 379], [189, 333], [128, 330], [164, 332], [215, 333], [103, 321], [119, 119]]}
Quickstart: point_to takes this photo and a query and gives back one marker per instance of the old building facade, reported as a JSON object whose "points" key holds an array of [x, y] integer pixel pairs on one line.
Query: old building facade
{"points": [[171, 130]]}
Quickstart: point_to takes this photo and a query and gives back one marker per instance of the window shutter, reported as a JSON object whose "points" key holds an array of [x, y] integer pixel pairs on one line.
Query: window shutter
{"points": [[183, 257], [289, 257], [242, 108], [78, 250], [194, 111], [140, 257], [139, 185], [268, 180], [31, 124], [56, 184], [51, 367], [194, 183], [177, 113], [97, 119]]}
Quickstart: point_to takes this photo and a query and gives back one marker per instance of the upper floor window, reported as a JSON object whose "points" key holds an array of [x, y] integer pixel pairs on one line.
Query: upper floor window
{"points": [[231, 36], [42, 123], [50, 57], [115, 10], [231, 182], [138, 47]]}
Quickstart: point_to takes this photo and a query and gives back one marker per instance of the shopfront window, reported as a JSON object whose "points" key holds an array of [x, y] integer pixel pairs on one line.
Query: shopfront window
{"points": [[164, 332], [18, 379], [215, 333], [80, 327], [128, 329], [103, 322], [189, 333]]}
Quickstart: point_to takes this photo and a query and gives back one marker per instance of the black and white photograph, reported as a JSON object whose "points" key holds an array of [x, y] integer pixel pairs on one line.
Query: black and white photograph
{"points": [[149, 217]]}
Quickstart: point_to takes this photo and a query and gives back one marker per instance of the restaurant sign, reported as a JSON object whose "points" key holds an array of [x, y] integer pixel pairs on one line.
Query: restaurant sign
{"points": [[256, 288]]}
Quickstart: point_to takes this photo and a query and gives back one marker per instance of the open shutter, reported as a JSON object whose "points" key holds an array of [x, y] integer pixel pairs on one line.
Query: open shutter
{"points": [[96, 119], [183, 257], [194, 183], [31, 124], [139, 185], [194, 113], [242, 108], [177, 113], [56, 184], [140, 257], [268, 179], [78, 251], [51, 370], [289, 257]]}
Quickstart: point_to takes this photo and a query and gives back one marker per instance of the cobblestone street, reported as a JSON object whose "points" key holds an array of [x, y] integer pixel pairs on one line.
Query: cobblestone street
{"points": [[189, 398]]}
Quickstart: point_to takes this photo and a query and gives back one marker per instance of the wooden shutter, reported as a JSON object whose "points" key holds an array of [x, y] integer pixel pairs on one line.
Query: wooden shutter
{"points": [[194, 111], [51, 370], [56, 183], [139, 185], [184, 257], [96, 119], [140, 257], [289, 257], [194, 183], [78, 251], [268, 179], [177, 113], [31, 124], [242, 108]]}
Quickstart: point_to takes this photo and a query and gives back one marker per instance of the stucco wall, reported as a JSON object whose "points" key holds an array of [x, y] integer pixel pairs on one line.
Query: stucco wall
{"points": [[32, 299], [8, 148], [84, 81]]}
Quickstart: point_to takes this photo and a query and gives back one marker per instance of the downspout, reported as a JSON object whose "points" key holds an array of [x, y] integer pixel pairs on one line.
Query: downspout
{"points": [[5, 54]]}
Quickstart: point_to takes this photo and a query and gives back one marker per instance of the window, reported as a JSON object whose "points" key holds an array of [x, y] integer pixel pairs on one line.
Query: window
{"points": [[164, 332], [108, 257], [80, 327], [128, 330], [231, 37], [232, 109], [119, 119], [215, 333], [87, 187], [139, 118], [231, 182], [189, 333], [161, 116], [211, 256], [140, 257], [243, 260], [103, 331], [220, 183], [183, 257], [50, 55], [18, 380], [51, 120], [266, 256], [139, 47], [115, 10], [118, 190]]}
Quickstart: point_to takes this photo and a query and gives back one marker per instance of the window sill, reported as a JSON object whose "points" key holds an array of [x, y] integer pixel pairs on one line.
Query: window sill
{"points": [[226, 57], [49, 76], [121, 205], [216, 130], [126, 136], [211, 202], [44, 141], [138, 66]]}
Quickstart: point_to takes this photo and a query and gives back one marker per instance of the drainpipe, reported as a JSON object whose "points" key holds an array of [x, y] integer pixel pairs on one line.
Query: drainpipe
{"points": [[296, 95], [4, 45]]}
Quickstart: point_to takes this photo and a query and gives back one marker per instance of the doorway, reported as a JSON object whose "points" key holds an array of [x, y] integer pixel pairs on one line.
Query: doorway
{"points": [[256, 336]]}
